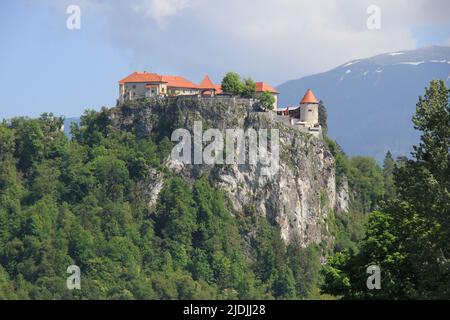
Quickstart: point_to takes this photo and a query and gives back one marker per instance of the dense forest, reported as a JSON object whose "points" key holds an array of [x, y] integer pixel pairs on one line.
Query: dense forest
{"points": [[408, 235], [76, 202]]}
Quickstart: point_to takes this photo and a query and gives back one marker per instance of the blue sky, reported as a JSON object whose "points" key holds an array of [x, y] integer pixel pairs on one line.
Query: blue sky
{"points": [[47, 68]]}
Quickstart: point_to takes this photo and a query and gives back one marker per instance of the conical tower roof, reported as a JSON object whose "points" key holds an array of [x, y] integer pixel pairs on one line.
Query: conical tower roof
{"points": [[309, 97], [207, 83]]}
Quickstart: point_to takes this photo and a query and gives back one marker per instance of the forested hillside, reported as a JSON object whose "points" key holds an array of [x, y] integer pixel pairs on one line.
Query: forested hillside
{"points": [[75, 202], [78, 202]]}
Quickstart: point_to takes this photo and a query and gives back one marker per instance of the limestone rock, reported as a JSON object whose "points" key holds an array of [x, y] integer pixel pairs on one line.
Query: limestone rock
{"points": [[299, 197]]}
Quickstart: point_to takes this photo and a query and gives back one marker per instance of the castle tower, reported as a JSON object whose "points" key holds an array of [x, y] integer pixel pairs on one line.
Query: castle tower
{"points": [[309, 110]]}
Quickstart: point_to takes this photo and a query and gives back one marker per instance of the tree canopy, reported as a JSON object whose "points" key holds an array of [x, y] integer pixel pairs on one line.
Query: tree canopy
{"points": [[232, 84], [267, 100], [408, 236], [77, 202]]}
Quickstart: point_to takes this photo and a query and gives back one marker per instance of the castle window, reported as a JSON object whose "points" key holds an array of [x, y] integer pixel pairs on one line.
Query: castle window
{"points": [[134, 86]]}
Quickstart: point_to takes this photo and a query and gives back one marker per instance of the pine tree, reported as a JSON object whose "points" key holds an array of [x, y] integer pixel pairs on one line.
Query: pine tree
{"points": [[323, 117], [388, 174]]}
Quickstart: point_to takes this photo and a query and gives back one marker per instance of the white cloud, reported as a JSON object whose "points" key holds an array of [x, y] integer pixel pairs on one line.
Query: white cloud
{"points": [[160, 10], [272, 40]]}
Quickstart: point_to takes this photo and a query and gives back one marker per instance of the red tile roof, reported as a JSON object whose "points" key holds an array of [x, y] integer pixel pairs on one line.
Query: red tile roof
{"points": [[141, 77], [309, 97], [172, 81], [179, 82], [262, 86], [207, 83]]}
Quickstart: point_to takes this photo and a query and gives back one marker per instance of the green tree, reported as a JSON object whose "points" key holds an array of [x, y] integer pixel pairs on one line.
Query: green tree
{"points": [[305, 265], [112, 176], [284, 284], [342, 163], [232, 85], [366, 179], [388, 174], [6, 142], [176, 221], [323, 117], [249, 88], [266, 100], [29, 148], [7, 290]]}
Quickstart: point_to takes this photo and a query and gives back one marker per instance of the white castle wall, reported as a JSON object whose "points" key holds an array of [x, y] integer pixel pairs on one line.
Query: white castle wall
{"points": [[309, 113]]}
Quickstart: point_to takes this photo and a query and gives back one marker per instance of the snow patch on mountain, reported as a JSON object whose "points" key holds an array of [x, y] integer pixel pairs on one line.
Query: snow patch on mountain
{"points": [[413, 63], [350, 63], [395, 53]]}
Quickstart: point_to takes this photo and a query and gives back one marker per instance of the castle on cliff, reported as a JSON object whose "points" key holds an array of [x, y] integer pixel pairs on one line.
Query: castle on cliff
{"points": [[138, 85], [145, 85]]}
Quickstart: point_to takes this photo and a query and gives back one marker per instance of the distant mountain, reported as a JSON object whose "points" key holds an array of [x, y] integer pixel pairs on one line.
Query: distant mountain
{"points": [[370, 101]]}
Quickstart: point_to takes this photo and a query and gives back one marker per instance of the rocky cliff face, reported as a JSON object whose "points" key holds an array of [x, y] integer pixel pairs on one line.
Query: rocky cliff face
{"points": [[299, 197]]}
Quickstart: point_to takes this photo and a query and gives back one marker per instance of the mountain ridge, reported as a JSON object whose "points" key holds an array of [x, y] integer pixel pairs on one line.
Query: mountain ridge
{"points": [[370, 101]]}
